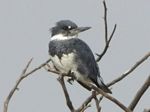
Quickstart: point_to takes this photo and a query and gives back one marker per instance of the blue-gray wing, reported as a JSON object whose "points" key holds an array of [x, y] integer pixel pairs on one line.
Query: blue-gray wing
{"points": [[87, 65], [86, 61]]}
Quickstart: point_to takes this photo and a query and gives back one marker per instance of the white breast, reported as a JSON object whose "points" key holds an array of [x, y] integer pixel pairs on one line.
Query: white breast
{"points": [[65, 64]]}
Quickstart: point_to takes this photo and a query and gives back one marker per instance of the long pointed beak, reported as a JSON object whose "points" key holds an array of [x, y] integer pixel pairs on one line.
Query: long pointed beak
{"points": [[81, 29], [78, 30]]}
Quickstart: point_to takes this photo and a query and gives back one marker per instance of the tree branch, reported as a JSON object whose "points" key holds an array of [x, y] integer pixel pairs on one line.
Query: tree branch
{"points": [[114, 100], [139, 94], [105, 21], [98, 107], [85, 103], [6, 102], [114, 29], [68, 101], [37, 68], [130, 70], [99, 91], [22, 76], [88, 100], [107, 40]]}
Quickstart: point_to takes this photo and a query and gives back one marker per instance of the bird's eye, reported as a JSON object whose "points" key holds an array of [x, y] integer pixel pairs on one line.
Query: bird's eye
{"points": [[69, 27]]}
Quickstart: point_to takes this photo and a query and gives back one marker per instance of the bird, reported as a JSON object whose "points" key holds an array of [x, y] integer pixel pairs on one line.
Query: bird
{"points": [[69, 54]]}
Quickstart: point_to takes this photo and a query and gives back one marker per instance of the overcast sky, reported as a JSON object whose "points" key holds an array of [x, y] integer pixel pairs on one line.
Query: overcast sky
{"points": [[24, 34]]}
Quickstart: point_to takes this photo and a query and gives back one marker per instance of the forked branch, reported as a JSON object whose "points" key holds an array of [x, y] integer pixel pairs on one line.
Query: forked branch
{"points": [[107, 40], [114, 100], [22, 76]]}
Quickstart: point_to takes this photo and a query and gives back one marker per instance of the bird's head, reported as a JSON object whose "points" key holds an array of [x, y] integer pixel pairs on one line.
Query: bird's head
{"points": [[67, 28]]}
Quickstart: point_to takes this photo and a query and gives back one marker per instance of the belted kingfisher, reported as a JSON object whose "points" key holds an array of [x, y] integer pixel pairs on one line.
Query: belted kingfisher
{"points": [[68, 53]]}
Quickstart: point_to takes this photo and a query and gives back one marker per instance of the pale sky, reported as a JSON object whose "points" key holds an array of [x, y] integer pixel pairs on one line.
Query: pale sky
{"points": [[24, 34]]}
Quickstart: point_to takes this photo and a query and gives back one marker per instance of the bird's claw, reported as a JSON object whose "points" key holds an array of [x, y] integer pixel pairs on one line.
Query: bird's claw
{"points": [[70, 80]]}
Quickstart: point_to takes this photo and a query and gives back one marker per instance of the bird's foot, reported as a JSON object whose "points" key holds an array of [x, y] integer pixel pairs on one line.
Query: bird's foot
{"points": [[70, 80]]}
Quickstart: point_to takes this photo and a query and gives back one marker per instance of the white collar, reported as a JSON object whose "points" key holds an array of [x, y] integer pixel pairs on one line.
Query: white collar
{"points": [[62, 37]]}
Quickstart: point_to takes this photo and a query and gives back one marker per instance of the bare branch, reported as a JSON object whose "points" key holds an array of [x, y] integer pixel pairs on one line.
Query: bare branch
{"points": [[83, 109], [114, 29], [118, 103], [49, 69], [97, 102], [84, 106], [105, 21], [139, 94], [106, 46], [85, 103], [6, 102], [68, 101], [35, 69], [130, 70], [107, 40], [97, 105], [22, 76]]}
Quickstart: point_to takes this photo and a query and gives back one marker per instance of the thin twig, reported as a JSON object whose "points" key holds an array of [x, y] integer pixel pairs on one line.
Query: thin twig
{"points": [[62, 83], [105, 21], [37, 68], [107, 40], [48, 68], [85, 103], [22, 76], [139, 94], [114, 29], [97, 105], [130, 70], [83, 107], [96, 102], [6, 102], [83, 110], [118, 103], [68, 101]]}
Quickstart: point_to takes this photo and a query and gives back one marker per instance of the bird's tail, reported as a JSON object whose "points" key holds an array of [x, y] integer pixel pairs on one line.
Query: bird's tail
{"points": [[102, 86]]}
